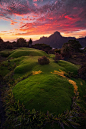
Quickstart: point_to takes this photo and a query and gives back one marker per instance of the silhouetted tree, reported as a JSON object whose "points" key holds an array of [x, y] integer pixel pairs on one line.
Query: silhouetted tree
{"points": [[21, 42], [1, 40], [1, 44], [29, 43], [8, 45]]}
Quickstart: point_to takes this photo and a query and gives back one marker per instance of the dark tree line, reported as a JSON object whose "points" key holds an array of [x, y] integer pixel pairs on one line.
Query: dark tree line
{"points": [[68, 49], [21, 42]]}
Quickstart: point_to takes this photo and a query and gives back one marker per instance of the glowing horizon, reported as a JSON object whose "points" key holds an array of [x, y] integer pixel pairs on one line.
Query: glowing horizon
{"points": [[38, 18]]}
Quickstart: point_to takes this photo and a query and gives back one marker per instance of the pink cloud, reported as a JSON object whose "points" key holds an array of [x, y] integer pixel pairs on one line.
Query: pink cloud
{"points": [[34, 0], [60, 15], [69, 18], [13, 22], [35, 4]]}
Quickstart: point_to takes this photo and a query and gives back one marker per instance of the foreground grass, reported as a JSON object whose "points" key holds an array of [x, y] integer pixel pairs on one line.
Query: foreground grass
{"points": [[43, 91]]}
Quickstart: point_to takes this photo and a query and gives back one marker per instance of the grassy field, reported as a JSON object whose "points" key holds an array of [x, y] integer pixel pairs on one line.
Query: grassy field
{"points": [[44, 88], [26, 52]]}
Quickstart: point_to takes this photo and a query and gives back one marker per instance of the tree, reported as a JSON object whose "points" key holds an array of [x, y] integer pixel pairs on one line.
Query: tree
{"points": [[1, 41], [1, 44], [21, 42], [71, 47], [29, 44]]}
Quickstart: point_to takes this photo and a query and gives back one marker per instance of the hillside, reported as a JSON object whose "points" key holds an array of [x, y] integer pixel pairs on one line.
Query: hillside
{"points": [[56, 40], [37, 95]]}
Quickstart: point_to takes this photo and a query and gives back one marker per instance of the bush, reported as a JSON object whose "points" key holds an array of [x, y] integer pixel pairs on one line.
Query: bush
{"points": [[82, 72], [43, 60], [70, 48], [58, 57]]}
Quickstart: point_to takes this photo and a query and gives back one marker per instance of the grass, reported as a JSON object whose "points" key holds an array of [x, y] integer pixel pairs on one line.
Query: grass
{"points": [[26, 52], [5, 53], [30, 63], [44, 91]]}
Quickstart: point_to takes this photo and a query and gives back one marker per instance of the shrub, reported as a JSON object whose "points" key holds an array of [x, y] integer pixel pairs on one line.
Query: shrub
{"points": [[43, 60], [58, 57], [70, 48], [82, 72], [57, 50]]}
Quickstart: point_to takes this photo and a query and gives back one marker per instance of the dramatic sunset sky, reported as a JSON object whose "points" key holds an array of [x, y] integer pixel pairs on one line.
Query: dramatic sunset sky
{"points": [[37, 18]]}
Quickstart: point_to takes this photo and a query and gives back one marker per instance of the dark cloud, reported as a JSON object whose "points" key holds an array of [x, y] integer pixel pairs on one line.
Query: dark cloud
{"points": [[27, 6], [60, 14]]}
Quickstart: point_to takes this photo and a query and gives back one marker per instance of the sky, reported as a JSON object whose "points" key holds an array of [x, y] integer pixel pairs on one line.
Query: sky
{"points": [[37, 18]]}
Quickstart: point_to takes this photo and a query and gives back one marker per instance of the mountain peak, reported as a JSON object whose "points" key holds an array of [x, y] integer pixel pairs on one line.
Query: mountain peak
{"points": [[56, 40], [57, 32], [56, 35]]}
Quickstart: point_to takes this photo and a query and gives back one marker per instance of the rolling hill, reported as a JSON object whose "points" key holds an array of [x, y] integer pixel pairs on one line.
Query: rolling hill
{"points": [[37, 95]]}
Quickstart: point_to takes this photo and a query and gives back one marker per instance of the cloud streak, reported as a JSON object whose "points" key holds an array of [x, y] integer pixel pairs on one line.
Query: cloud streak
{"points": [[45, 16]]}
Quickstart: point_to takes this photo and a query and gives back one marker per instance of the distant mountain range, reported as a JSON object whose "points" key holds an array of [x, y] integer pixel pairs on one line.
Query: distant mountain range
{"points": [[56, 40]]}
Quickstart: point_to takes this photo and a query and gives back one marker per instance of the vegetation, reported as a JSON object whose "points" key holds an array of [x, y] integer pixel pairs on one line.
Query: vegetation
{"points": [[70, 48], [43, 60], [5, 53], [57, 51], [21, 42], [41, 96], [26, 52], [43, 47], [58, 57], [82, 71], [29, 44]]}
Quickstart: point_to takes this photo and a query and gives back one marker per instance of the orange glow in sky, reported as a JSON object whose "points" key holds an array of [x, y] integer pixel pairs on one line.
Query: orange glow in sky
{"points": [[37, 18]]}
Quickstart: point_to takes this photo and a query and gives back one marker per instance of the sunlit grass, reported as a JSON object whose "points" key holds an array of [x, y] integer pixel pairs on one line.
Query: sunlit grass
{"points": [[44, 88], [26, 52]]}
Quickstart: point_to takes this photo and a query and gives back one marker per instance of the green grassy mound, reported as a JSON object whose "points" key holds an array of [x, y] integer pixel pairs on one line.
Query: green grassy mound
{"points": [[69, 67], [46, 89], [26, 52], [5, 53], [45, 92], [30, 63], [40, 87]]}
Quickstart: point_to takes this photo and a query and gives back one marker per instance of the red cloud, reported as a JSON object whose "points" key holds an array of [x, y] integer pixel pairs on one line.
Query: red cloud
{"points": [[56, 15], [68, 17], [50, 23], [34, 0], [13, 22]]}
